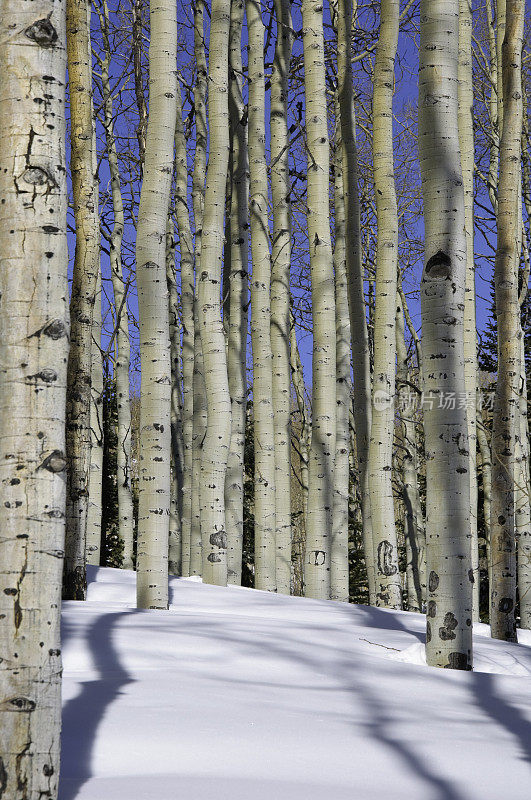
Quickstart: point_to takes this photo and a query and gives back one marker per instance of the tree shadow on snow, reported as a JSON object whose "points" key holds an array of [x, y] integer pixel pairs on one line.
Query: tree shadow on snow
{"points": [[82, 714], [498, 709]]}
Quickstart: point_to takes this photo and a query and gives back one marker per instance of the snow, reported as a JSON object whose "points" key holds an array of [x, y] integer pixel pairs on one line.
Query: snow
{"points": [[235, 694]]}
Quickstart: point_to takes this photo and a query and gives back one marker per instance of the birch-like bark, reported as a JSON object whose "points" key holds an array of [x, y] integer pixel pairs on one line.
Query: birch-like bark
{"points": [[216, 442], [198, 199], [297, 377], [122, 346], [505, 424], [186, 249], [177, 441], [415, 532], [280, 283], [486, 477], [238, 314], [323, 444], [449, 622], [358, 320], [387, 573], [264, 432], [339, 571], [155, 392], [523, 494], [33, 358], [466, 145], [86, 268], [93, 544]]}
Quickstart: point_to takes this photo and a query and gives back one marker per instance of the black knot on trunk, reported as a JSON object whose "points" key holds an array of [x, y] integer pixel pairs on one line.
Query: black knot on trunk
{"points": [[42, 32], [438, 266]]}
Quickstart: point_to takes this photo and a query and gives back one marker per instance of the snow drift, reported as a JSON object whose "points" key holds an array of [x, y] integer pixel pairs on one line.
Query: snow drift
{"points": [[246, 695]]}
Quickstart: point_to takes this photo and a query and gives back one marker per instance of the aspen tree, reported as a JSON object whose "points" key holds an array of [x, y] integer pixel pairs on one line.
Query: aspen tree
{"points": [[198, 199], [238, 314], [466, 144], [263, 427], [155, 396], [414, 534], [177, 442], [33, 358], [387, 573], [93, 543], [186, 249], [339, 571], [280, 282], [505, 422], [522, 510], [322, 449], [85, 275], [356, 299], [122, 346], [216, 442], [449, 620]]}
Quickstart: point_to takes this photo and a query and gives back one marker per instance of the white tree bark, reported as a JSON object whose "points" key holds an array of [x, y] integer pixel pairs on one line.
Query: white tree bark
{"points": [[505, 422], [449, 623], [186, 249], [216, 442], [93, 544], [339, 568], [238, 305], [358, 321], [86, 268], [155, 397], [323, 445], [466, 144], [280, 296], [387, 573], [263, 427], [33, 358]]}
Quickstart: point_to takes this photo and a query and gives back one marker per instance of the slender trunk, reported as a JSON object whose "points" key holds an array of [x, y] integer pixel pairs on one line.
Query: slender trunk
{"points": [[33, 356], [137, 46], [358, 320], [198, 199], [339, 589], [387, 573], [323, 445], [237, 344], [86, 268], [122, 346], [186, 249], [264, 434], [505, 416], [177, 442], [486, 478], [216, 442], [414, 533], [449, 623], [280, 282], [466, 145], [93, 544], [155, 393], [522, 510], [297, 377]]}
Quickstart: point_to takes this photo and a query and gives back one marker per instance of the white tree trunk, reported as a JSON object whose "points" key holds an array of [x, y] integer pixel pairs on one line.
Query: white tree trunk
{"points": [[323, 445], [263, 427], [339, 568], [155, 397], [216, 442], [449, 623], [93, 544], [358, 321], [466, 144], [238, 313], [280, 283], [387, 573], [33, 357], [505, 423], [86, 269]]}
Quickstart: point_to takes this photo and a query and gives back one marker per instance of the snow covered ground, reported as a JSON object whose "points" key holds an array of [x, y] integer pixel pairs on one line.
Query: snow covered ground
{"points": [[235, 694]]}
